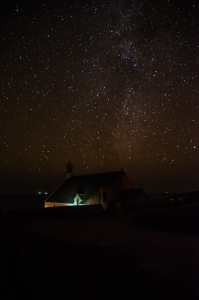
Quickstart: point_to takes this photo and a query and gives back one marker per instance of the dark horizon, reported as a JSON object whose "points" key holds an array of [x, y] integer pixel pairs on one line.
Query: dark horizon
{"points": [[47, 183]]}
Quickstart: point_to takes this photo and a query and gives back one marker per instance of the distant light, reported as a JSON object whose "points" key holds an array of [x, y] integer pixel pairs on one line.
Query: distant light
{"points": [[46, 193], [39, 193], [194, 147]]}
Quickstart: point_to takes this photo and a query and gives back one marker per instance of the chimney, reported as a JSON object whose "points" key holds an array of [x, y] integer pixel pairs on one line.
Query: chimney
{"points": [[69, 169]]}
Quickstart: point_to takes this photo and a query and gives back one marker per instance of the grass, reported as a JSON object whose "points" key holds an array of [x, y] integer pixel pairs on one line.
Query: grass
{"points": [[103, 257], [179, 219]]}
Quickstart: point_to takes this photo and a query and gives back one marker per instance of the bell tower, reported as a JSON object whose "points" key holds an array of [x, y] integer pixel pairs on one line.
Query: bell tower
{"points": [[69, 169]]}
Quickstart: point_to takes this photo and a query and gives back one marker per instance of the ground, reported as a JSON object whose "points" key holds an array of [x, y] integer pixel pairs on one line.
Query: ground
{"points": [[110, 256]]}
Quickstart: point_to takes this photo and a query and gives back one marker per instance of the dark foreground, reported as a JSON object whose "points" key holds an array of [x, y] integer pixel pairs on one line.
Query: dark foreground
{"points": [[113, 256]]}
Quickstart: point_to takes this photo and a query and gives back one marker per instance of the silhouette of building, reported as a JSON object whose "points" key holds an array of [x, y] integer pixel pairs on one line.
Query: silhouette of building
{"points": [[111, 190]]}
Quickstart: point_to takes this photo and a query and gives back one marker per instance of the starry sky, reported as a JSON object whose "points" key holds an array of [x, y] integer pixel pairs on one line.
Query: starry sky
{"points": [[108, 84]]}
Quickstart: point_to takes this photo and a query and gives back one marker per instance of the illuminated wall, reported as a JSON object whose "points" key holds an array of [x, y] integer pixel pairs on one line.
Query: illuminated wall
{"points": [[56, 204]]}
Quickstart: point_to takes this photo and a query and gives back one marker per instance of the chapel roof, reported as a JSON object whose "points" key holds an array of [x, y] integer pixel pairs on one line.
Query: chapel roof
{"points": [[84, 185]]}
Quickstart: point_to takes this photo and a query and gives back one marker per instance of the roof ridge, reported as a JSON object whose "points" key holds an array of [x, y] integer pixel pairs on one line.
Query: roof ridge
{"points": [[98, 173], [55, 190]]}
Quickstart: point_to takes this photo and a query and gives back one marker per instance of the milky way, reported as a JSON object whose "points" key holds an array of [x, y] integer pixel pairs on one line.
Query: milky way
{"points": [[108, 84]]}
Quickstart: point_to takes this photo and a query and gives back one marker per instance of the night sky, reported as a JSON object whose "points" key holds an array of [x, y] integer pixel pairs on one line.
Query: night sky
{"points": [[108, 84]]}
